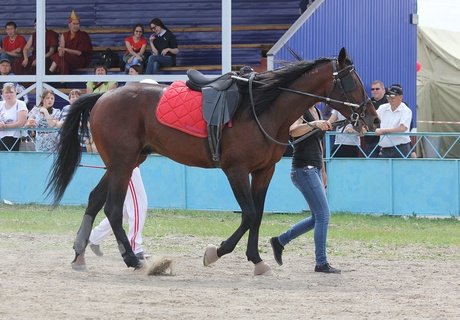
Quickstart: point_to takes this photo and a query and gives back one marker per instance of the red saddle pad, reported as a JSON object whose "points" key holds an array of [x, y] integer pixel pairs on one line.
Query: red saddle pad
{"points": [[181, 108]]}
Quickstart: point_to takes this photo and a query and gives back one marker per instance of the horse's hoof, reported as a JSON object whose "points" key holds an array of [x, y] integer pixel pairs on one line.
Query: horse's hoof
{"points": [[79, 264], [210, 255], [262, 269], [78, 267]]}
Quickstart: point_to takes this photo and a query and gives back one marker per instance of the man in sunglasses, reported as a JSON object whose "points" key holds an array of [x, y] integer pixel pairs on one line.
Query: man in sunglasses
{"points": [[371, 147], [395, 116]]}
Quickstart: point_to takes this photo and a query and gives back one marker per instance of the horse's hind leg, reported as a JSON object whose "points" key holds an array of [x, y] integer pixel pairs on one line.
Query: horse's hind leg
{"points": [[114, 211], [96, 201]]}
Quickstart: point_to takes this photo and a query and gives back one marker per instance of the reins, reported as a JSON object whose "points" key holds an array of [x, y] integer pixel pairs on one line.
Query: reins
{"points": [[321, 98]]}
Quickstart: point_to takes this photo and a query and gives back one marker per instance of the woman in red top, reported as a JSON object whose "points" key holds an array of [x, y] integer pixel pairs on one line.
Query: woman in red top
{"points": [[135, 47], [12, 46]]}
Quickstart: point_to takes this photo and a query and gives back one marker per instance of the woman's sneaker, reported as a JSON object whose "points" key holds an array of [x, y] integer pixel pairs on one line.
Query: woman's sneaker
{"points": [[277, 250], [326, 268]]}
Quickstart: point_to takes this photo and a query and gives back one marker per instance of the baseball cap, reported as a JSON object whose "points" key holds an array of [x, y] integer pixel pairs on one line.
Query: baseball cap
{"points": [[5, 60], [395, 89]]}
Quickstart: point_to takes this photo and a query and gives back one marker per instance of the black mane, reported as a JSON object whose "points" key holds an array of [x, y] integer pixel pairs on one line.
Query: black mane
{"points": [[265, 93]]}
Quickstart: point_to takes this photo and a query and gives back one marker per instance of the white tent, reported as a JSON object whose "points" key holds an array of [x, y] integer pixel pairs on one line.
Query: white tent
{"points": [[438, 86]]}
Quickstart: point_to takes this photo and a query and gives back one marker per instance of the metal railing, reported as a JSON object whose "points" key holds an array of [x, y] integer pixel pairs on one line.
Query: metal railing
{"points": [[427, 145], [28, 136]]}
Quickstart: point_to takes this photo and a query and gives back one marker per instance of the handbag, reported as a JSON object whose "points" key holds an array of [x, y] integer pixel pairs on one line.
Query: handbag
{"points": [[26, 144]]}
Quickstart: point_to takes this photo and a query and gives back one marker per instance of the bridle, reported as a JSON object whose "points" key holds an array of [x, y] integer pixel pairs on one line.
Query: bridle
{"points": [[343, 79]]}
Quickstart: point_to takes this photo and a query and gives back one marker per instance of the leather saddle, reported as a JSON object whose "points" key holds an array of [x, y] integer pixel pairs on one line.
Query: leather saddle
{"points": [[220, 101]]}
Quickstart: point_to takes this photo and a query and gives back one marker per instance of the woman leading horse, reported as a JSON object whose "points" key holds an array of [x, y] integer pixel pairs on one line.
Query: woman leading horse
{"points": [[126, 130]]}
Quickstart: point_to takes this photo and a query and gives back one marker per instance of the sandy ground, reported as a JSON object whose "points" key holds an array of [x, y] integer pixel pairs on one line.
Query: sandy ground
{"points": [[36, 282]]}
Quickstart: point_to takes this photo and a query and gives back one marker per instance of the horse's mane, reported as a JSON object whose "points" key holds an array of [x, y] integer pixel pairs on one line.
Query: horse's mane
{"points": [[264, 94]]}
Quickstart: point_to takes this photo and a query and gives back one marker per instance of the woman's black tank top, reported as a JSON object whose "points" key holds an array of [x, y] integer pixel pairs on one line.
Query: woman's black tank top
{"points": [[309, 152]]}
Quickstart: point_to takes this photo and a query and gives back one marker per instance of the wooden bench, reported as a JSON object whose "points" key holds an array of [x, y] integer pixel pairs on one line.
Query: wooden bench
{"points": [[188, 60], [176, 29], [262, 46]]}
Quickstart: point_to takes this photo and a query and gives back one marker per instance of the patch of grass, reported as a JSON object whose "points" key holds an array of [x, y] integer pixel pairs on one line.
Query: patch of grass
{"points": [[379, 231]]}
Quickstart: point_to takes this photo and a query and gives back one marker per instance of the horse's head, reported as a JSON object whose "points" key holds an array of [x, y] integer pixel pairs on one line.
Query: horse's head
{"points": [[353, 101]]}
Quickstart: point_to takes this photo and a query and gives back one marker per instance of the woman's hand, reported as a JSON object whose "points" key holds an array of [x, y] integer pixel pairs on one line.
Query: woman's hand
{"points": [[31, 123], [324, 125], [44, 111]]}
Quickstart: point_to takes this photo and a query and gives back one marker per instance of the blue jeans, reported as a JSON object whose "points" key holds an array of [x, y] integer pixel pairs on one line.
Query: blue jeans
{"points": [[155, 62], [310, 183]]}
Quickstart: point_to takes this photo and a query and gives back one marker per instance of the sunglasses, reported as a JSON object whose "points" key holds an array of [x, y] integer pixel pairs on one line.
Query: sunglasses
{"points": [[375, 89], [152, 28], [391, 96]]}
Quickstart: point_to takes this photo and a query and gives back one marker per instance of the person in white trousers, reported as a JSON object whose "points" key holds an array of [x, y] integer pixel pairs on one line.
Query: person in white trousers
{"points": [[134, 210]]}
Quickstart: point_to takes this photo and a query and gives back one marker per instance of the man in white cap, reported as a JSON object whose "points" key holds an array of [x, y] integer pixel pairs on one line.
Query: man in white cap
{"points": [[395, 116]]}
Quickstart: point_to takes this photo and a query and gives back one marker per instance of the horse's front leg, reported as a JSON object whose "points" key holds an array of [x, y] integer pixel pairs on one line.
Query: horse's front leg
{"points": [[239, 181], [96, 201], [114, 211], [259, 186]]}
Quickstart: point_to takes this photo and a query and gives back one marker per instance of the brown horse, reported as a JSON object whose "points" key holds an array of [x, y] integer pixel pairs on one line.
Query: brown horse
{"points": [[126, 131]]}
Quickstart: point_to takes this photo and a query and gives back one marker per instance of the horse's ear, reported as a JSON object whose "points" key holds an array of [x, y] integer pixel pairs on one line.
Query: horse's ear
{"points": [[343, 57]]}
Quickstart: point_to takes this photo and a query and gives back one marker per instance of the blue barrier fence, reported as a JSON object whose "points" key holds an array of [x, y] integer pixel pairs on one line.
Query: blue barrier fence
{"points": [[425, 187]]}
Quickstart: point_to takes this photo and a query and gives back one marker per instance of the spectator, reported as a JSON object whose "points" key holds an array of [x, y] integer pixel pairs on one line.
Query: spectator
{"points": [[74, 94], [164, 47], [345, 145], [5, 70], [395, 116], [29, 61], [135, 70], [135, 47], [98, 87], [378, 98], [75, 49], [13, 114], [12, 46], [309, 176], [45, 116], [134, 210]]}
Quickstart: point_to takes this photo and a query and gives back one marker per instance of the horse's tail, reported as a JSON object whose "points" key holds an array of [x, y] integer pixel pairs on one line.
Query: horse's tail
{"points": [[68, 148]]}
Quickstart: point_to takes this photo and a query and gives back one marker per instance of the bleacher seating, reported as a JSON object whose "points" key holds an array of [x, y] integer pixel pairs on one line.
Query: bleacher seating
{"points": [[256, 25]]}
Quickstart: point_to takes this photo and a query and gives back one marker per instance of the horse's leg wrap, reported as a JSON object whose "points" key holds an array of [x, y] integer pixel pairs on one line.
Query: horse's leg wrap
{"points": [[83, 234], [210, 255], [262, 269]]}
